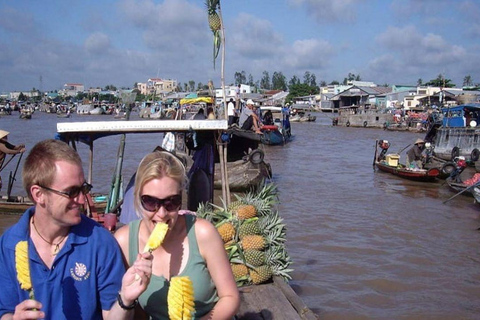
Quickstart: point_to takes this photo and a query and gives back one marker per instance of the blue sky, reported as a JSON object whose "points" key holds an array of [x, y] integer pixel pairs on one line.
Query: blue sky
{"points": [[45, 44]]}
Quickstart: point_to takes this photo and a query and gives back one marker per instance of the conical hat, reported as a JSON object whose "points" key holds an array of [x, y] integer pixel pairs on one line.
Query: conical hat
{"points": [[3, 133], [419, 141]]}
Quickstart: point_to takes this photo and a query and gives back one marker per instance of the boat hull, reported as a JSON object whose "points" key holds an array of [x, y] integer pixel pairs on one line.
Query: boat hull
{"points": [[422, 175]]}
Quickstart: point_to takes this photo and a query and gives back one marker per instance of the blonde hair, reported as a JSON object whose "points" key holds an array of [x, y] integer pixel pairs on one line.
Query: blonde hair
{"points": [[156, 165]]}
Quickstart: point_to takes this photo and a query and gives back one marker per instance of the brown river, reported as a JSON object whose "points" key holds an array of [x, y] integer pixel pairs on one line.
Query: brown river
{"points": [[364, 244]]}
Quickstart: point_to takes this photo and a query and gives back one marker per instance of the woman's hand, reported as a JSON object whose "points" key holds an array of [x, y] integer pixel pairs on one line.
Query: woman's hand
{"points": [[136, 279]]}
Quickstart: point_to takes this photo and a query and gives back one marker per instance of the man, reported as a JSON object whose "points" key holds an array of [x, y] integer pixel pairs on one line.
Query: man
{"points": [[231, 112], [249, 118], [75, 265], [414, 155], [7, 148]]}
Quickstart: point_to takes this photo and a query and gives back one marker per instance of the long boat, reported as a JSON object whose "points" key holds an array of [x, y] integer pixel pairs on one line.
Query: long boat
{"points": [[390, 163], [400, 170], [361, 116]]}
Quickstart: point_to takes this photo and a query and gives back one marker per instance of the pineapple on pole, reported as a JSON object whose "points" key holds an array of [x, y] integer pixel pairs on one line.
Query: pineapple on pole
{"points": [[216, 25]]}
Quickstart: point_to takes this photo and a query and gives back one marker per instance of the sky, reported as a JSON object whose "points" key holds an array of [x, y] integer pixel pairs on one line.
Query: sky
{"points": [[46, 44]]}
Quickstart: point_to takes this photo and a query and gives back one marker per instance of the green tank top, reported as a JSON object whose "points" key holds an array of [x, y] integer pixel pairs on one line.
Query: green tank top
{"points": [[154, 299]]}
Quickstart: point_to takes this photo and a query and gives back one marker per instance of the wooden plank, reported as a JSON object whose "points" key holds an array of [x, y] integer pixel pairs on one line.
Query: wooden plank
{"points": [[301, 308]]}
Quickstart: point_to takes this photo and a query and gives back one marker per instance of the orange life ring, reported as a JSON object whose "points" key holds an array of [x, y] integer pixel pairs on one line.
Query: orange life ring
{"points": [[269, 127]]}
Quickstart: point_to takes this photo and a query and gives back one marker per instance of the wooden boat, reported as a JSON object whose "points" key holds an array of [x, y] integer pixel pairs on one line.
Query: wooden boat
{"points": [[243, 175], [454, 132], [18, 204], [400, 170], [390, 163], [361, 116], [275, 300]]}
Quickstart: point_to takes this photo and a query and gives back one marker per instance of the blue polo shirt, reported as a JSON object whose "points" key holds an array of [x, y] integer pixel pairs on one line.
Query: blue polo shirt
{"points": [[85, 277]]}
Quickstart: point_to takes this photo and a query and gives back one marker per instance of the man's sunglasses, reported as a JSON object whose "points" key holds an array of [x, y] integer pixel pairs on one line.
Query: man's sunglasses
{"points": [[153, 204], [73, 192]]}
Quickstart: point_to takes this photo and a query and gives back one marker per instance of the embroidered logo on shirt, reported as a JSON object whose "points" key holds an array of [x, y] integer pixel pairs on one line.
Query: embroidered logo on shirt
{"points": [[80, 272]]}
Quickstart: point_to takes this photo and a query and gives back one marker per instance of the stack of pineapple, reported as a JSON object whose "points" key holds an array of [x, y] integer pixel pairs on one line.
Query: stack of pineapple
{"points": [[253, 234]]}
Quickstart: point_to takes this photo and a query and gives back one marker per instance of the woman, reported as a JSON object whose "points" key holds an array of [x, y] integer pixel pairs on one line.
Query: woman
{"points": [[192, 246]]}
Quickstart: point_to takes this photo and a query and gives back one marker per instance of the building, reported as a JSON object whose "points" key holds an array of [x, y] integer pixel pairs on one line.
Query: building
{"points": [[71, 89], [157, 86]]}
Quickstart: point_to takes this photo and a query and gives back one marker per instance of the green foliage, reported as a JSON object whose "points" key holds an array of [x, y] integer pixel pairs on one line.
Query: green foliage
{"points": [[440, 81]]}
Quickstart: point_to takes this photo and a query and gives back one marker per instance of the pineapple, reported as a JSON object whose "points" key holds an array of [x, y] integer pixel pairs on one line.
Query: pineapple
{"points": [[253, 242], [215, 24], [180, 299], [254, 257], [246, 211], [156, 238], [249, 228], [214, 21], [239, 270], [22, 266], [261, 274], [226, 231]]}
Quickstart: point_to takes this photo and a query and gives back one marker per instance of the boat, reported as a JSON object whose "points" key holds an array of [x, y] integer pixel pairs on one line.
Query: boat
{"points": [[26, 114], [280, 131], [302, 117], [244, 174], [18, 204], [363, 116], [274, 300], [90, 109], [455, 131], [390, 163]]}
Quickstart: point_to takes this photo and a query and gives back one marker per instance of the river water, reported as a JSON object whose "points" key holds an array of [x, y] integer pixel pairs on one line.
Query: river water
{"points": [[364, 244]]}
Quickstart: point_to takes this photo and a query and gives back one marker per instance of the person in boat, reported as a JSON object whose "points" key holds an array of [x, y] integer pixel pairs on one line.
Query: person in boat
{"points": [[415, 155], [7, 148], [200, 115], [249, 118], [210, 114], [192, 246], [231, 112], [268, 118], [75, 265]]}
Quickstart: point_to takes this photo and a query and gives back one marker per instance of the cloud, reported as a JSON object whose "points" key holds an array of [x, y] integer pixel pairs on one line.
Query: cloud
{"points": [[413, 48], [329, 11], [309, 54], [97, 43]]}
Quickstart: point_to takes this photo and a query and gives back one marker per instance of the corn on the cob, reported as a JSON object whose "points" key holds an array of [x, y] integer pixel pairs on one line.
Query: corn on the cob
{"points": [[180, 299], [156, 238]]}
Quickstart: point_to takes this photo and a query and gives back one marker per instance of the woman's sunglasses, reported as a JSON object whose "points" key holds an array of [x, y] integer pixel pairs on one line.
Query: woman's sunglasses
{"points": [[153, 204]]}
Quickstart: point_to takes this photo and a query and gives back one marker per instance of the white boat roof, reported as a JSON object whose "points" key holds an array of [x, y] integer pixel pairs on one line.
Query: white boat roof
{"points": [[142, 126]]}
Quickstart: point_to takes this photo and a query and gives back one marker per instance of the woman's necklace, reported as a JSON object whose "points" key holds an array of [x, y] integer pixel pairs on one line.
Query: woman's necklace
{"points": [[57, 245]]}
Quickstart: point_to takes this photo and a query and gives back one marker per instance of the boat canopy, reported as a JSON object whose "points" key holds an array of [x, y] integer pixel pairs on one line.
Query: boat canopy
{"points": [[87, 132], [196, 100], [462, 115]]}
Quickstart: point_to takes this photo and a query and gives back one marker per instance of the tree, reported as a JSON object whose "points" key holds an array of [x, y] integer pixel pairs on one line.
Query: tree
{"points": [[191, 85], [250, 80], [265, 81], [240, 78], [323, 83], [294, 80], [467, 81], [440, 81], [310, 79], [279, 81], [300, 90], [419, 82]]}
